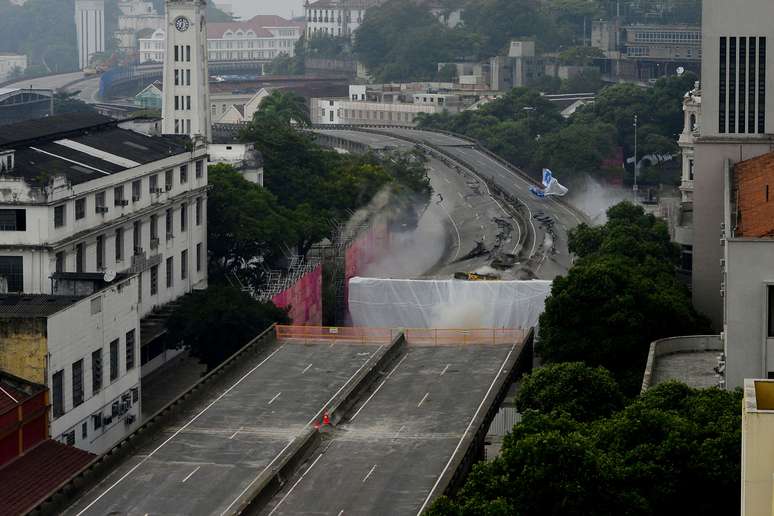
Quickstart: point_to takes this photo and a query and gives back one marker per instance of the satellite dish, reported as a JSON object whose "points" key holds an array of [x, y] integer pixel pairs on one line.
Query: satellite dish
{"points": [[109, 276], [680, 70]]}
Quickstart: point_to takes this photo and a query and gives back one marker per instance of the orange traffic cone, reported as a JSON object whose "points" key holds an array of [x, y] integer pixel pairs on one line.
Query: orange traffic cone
{"points": [[326, 418]]}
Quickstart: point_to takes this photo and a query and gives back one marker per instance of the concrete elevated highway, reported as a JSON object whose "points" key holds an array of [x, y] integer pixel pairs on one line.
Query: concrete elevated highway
{"points": [[408, 414]]}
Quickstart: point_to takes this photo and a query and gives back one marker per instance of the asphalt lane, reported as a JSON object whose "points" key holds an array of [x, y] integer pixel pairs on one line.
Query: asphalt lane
{"points": [[204, 462], [416, 417], [52, 82], [461, 205]]}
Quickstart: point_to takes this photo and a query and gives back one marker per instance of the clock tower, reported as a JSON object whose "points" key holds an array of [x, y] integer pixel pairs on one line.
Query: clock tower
{"points": [[186, 104]]}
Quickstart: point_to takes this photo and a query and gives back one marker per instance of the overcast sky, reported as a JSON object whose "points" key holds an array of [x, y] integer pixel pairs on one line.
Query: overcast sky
{"points": [[249, 8]]}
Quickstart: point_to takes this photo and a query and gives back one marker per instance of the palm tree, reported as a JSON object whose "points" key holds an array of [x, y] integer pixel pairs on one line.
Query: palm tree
{"points": [[287, 106]]}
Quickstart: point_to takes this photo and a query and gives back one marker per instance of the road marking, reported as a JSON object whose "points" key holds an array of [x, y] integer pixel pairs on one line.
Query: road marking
{"points": [[197, 416], [445, 369], [460, 194], [456, 229], [235, 433], [306, 369], [294, 485], [274, 398], [423, 400], [444, 178], [494, 380], [191, 474], [344, 386], [398, 432], [332, 343], [377, 389], [341, 512], [369, 474]]}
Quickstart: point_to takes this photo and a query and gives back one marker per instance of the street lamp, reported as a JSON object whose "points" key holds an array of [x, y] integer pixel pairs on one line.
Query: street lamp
{"points": [[636, 163]]}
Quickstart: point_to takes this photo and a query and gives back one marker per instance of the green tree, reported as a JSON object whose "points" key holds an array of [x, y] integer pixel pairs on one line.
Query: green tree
{"points": [[287, 107], [580, 56], [584, 393], [68, 102], [217, 322], [576, 149]]}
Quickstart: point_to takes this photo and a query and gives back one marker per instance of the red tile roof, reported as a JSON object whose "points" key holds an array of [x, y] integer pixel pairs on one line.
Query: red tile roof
{"points": [[32, 477], [257, 24], [10, 397]]}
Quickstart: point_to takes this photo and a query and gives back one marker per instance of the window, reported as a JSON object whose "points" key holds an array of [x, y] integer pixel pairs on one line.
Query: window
{"points": [[188, 77], [184, 264], [59, 216], [79, 258], [154, 280], [188, 53], [96, 305], [57, 394], [198, 257], [100, 252], [136, 190], [722, 86], [77, 383], [119, 244], [130, 350], [153, 183], [169, 224], [177, 77], [60, 262], [183, 217], [198, 211], [188, 103], [13, 220], [85, 430], [168, 180], [183, 174], [114, 360], [80, 208], [170, 278], [96, 371], [118, 196], [99, 203], [177, 103], [761, 85], [97, 420], [137, 237], [12, 269]]}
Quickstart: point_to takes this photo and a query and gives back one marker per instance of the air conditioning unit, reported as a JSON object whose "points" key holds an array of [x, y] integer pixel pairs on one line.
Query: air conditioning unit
{"points": [[135, 198], [131, 418], [154, 243], [122, 202], [138, 250], [168, 187], [157, 190], [170, 236], [102, 209]]}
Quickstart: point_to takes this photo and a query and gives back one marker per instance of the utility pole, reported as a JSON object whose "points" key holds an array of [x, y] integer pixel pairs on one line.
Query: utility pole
{"points": [[636, 163]]}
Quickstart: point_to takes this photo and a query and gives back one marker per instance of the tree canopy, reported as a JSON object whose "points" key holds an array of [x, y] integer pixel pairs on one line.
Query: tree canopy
{"points": [[661, 454], [602, 313], [217, 322]]}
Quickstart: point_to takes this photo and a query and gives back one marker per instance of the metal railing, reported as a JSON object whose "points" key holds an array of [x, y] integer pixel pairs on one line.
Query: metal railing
{"points": [[456, 337], [333, 334]]}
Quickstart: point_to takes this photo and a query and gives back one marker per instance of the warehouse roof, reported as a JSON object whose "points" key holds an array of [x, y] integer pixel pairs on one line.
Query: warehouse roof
{"points": [[13, 306]]}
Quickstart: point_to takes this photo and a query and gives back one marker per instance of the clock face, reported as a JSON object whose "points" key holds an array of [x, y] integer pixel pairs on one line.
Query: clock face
{"points": [[182, 24]]}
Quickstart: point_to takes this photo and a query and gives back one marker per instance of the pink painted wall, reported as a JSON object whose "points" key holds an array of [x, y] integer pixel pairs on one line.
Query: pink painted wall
{"points": [[365, 251], [304, 298]]}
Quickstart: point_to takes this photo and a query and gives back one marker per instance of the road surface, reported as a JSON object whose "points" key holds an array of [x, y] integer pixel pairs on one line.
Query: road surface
{"points": [[389, 456], [204, 462]]}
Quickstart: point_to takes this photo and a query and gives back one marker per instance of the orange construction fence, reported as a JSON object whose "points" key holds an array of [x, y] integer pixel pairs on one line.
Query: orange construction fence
{"points": [[336, 334], [452, 337]]}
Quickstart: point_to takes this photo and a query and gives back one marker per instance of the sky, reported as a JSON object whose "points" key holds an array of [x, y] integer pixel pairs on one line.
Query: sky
{"points": [[249, 8]]}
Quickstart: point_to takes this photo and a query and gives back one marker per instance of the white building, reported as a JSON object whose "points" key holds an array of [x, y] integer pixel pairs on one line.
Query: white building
{"points": [[261, 38], [236, 108], [186, 103], [90, 29], [382, 107], [85, 348], [136, 16], [10, 64]]}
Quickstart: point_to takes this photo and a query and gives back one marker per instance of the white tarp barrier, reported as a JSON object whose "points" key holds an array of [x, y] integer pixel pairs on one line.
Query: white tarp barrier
{"points": [[396, 303]]}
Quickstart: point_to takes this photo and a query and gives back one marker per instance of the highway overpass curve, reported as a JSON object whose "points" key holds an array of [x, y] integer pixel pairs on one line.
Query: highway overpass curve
{"points": [[548, 265], [209, 457], [463, 205], [388, 458]]}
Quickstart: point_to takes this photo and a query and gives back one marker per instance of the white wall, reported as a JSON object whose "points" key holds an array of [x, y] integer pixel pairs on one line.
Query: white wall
{"points": [[69, 342], [9, 62]]}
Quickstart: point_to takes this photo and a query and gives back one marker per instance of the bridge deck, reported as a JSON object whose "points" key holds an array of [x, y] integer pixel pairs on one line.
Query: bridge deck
{"points": [[390, 455], [203, 463]]}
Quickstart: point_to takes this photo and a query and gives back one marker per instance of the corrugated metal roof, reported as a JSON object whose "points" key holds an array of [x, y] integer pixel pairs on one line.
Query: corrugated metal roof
{"points": [[22, 305]]}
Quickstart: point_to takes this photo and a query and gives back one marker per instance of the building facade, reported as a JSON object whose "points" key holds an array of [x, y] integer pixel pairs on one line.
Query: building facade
{"points": [[90, 29], [259, 39], [735, 126], [136, 16], [11, 64], [185, 107], [339, 18], [757, 448], [18, 105]]}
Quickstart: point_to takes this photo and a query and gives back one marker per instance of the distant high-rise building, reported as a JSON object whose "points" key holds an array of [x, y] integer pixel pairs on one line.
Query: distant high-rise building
{"points": [[186, 104], [90, 28]]}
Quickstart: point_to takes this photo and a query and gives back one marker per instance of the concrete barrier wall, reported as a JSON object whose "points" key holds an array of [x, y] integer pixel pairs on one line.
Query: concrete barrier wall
{"points": [[671, 345]]}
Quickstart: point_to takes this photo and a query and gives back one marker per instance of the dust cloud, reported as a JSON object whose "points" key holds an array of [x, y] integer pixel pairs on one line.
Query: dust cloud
{"points": [[594, 198]]}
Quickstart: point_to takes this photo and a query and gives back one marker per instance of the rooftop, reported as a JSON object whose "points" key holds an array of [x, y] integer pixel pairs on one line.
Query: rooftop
{"points": [[81, 147], [14, 306], [15, 390], [691, 360], [37, 474], [257, 24]]}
